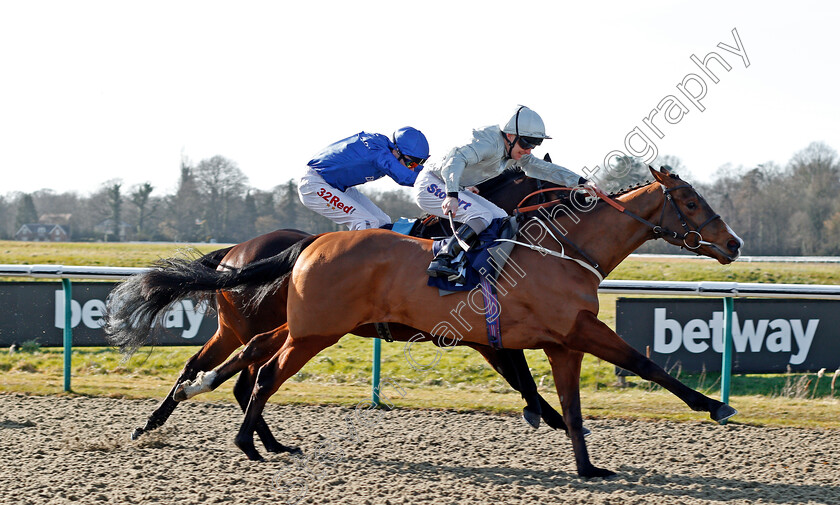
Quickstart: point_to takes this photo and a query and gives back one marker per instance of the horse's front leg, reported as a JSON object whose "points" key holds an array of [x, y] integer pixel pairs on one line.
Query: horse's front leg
{"points": [[592, 336], [565, 366], [210, 355]]}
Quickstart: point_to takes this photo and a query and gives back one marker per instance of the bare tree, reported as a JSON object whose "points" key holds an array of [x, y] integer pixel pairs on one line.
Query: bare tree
{"points": [[6, 219], [815, 183], [140, 198], [26, 212], [626, 171], [676, 166], [114, 201], [396, 203], [185, 217], [222, 185]]}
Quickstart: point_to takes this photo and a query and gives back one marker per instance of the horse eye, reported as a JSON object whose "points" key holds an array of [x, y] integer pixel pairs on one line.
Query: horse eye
{"points": [[691, 205]]}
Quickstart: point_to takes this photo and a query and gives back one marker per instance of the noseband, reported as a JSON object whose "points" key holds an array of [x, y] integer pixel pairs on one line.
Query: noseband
{"points": [[659, 231]]}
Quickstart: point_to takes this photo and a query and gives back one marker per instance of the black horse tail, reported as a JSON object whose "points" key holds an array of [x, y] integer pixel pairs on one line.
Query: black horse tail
{"points": [[136, 307], [213, 259]]}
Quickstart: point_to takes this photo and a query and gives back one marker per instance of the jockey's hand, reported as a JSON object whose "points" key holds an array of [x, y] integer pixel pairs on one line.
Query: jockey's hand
{"points": [[472, 189], [449, 205]]}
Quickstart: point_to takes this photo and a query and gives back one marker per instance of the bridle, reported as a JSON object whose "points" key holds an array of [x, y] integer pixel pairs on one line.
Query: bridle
{"points": [[658, 230], [683, 221]]}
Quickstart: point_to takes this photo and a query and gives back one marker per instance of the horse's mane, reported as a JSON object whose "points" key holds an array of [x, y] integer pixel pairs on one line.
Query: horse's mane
{"points": [[563, 196], [624, 191], [492, 185], [632, 187]]}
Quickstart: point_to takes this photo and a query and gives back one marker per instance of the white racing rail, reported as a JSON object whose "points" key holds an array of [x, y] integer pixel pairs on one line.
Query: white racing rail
{"points": [[69, 272], [608, 286]]}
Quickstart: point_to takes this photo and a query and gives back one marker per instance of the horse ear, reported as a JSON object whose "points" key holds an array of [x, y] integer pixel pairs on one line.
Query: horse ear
{"points": [[665, 169], [657, 175], [547, 158]]}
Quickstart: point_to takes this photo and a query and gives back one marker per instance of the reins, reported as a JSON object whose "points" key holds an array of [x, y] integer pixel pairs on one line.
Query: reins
{"points": [[658, 230], [521, 210], [589, 262]]}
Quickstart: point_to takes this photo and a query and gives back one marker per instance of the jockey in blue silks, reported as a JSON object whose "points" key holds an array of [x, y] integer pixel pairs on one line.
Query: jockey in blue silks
{"points": [[328, 185]]}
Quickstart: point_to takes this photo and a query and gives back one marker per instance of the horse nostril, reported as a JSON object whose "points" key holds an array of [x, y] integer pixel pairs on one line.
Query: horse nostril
{"points": [[733, 245]]}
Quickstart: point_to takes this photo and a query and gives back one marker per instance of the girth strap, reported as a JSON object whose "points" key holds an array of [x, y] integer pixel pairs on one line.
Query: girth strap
{"points": [[491, 314], [383, 331]]}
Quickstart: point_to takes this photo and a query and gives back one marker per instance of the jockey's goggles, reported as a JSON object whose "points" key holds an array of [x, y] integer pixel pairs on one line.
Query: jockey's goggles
{"points": [[529, 142], [412, 161]]}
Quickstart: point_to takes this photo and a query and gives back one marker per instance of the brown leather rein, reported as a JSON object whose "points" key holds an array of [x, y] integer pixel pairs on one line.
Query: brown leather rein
{"points": [[521, 210], [658, 230]]}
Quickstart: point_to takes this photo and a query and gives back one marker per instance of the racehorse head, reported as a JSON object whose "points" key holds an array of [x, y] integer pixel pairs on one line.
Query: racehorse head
{"points": [[688, 221]]}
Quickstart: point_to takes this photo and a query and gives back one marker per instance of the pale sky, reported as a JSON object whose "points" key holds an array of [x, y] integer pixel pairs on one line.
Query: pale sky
{"points": [[96, 91]]}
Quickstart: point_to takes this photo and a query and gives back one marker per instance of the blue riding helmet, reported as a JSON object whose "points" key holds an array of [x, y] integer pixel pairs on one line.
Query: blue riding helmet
{"points": [[412, 143]]}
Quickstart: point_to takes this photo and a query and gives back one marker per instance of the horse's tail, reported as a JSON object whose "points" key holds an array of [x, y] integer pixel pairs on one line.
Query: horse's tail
{"points": [[135, 308], [213, 259]]}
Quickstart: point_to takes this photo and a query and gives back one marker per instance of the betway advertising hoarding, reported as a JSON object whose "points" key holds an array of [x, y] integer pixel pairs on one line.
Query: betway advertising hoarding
{"points": [[768, 335], [35, 311]]}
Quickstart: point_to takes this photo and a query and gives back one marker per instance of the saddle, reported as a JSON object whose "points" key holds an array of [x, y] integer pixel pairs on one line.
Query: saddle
{"points": [[485, 259], [484, 262]]}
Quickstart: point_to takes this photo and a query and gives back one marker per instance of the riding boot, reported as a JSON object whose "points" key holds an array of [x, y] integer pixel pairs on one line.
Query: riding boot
{"points": [[444, 264]]}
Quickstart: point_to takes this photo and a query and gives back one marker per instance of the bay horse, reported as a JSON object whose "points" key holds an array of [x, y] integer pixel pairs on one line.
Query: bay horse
{"points": [[339, 281], [143, 298]]}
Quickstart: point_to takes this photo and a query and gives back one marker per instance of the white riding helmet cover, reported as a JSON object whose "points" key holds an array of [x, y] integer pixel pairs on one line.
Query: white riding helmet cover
{"points": [[526, 123]]}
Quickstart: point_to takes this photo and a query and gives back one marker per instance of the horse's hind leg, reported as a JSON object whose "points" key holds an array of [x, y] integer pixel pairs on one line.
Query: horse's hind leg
{"points": [[247, 361], [256, 351], [565, 366], [285, 363], [594, 337], [511, 364], [242, 392], [211, 354]]}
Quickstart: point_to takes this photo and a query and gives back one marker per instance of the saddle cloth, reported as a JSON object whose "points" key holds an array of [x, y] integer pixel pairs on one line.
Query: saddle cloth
{"points": [[485, 259]]}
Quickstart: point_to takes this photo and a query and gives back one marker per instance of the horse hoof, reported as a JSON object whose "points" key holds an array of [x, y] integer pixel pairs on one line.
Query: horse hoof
{"points": [[586, 432], [253, 455], [249, 450], [531, 417], [594, 471], [723, 413], [136, 433], [279, 448], [179, 395]]}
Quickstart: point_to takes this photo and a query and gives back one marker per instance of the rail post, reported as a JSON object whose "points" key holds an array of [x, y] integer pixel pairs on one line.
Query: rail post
{"points": [[726, 356], [68, 331], [377, 358]]}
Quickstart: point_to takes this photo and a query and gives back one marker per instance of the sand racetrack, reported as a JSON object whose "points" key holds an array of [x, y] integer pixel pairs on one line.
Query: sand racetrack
{"points": [[56, 450]]}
